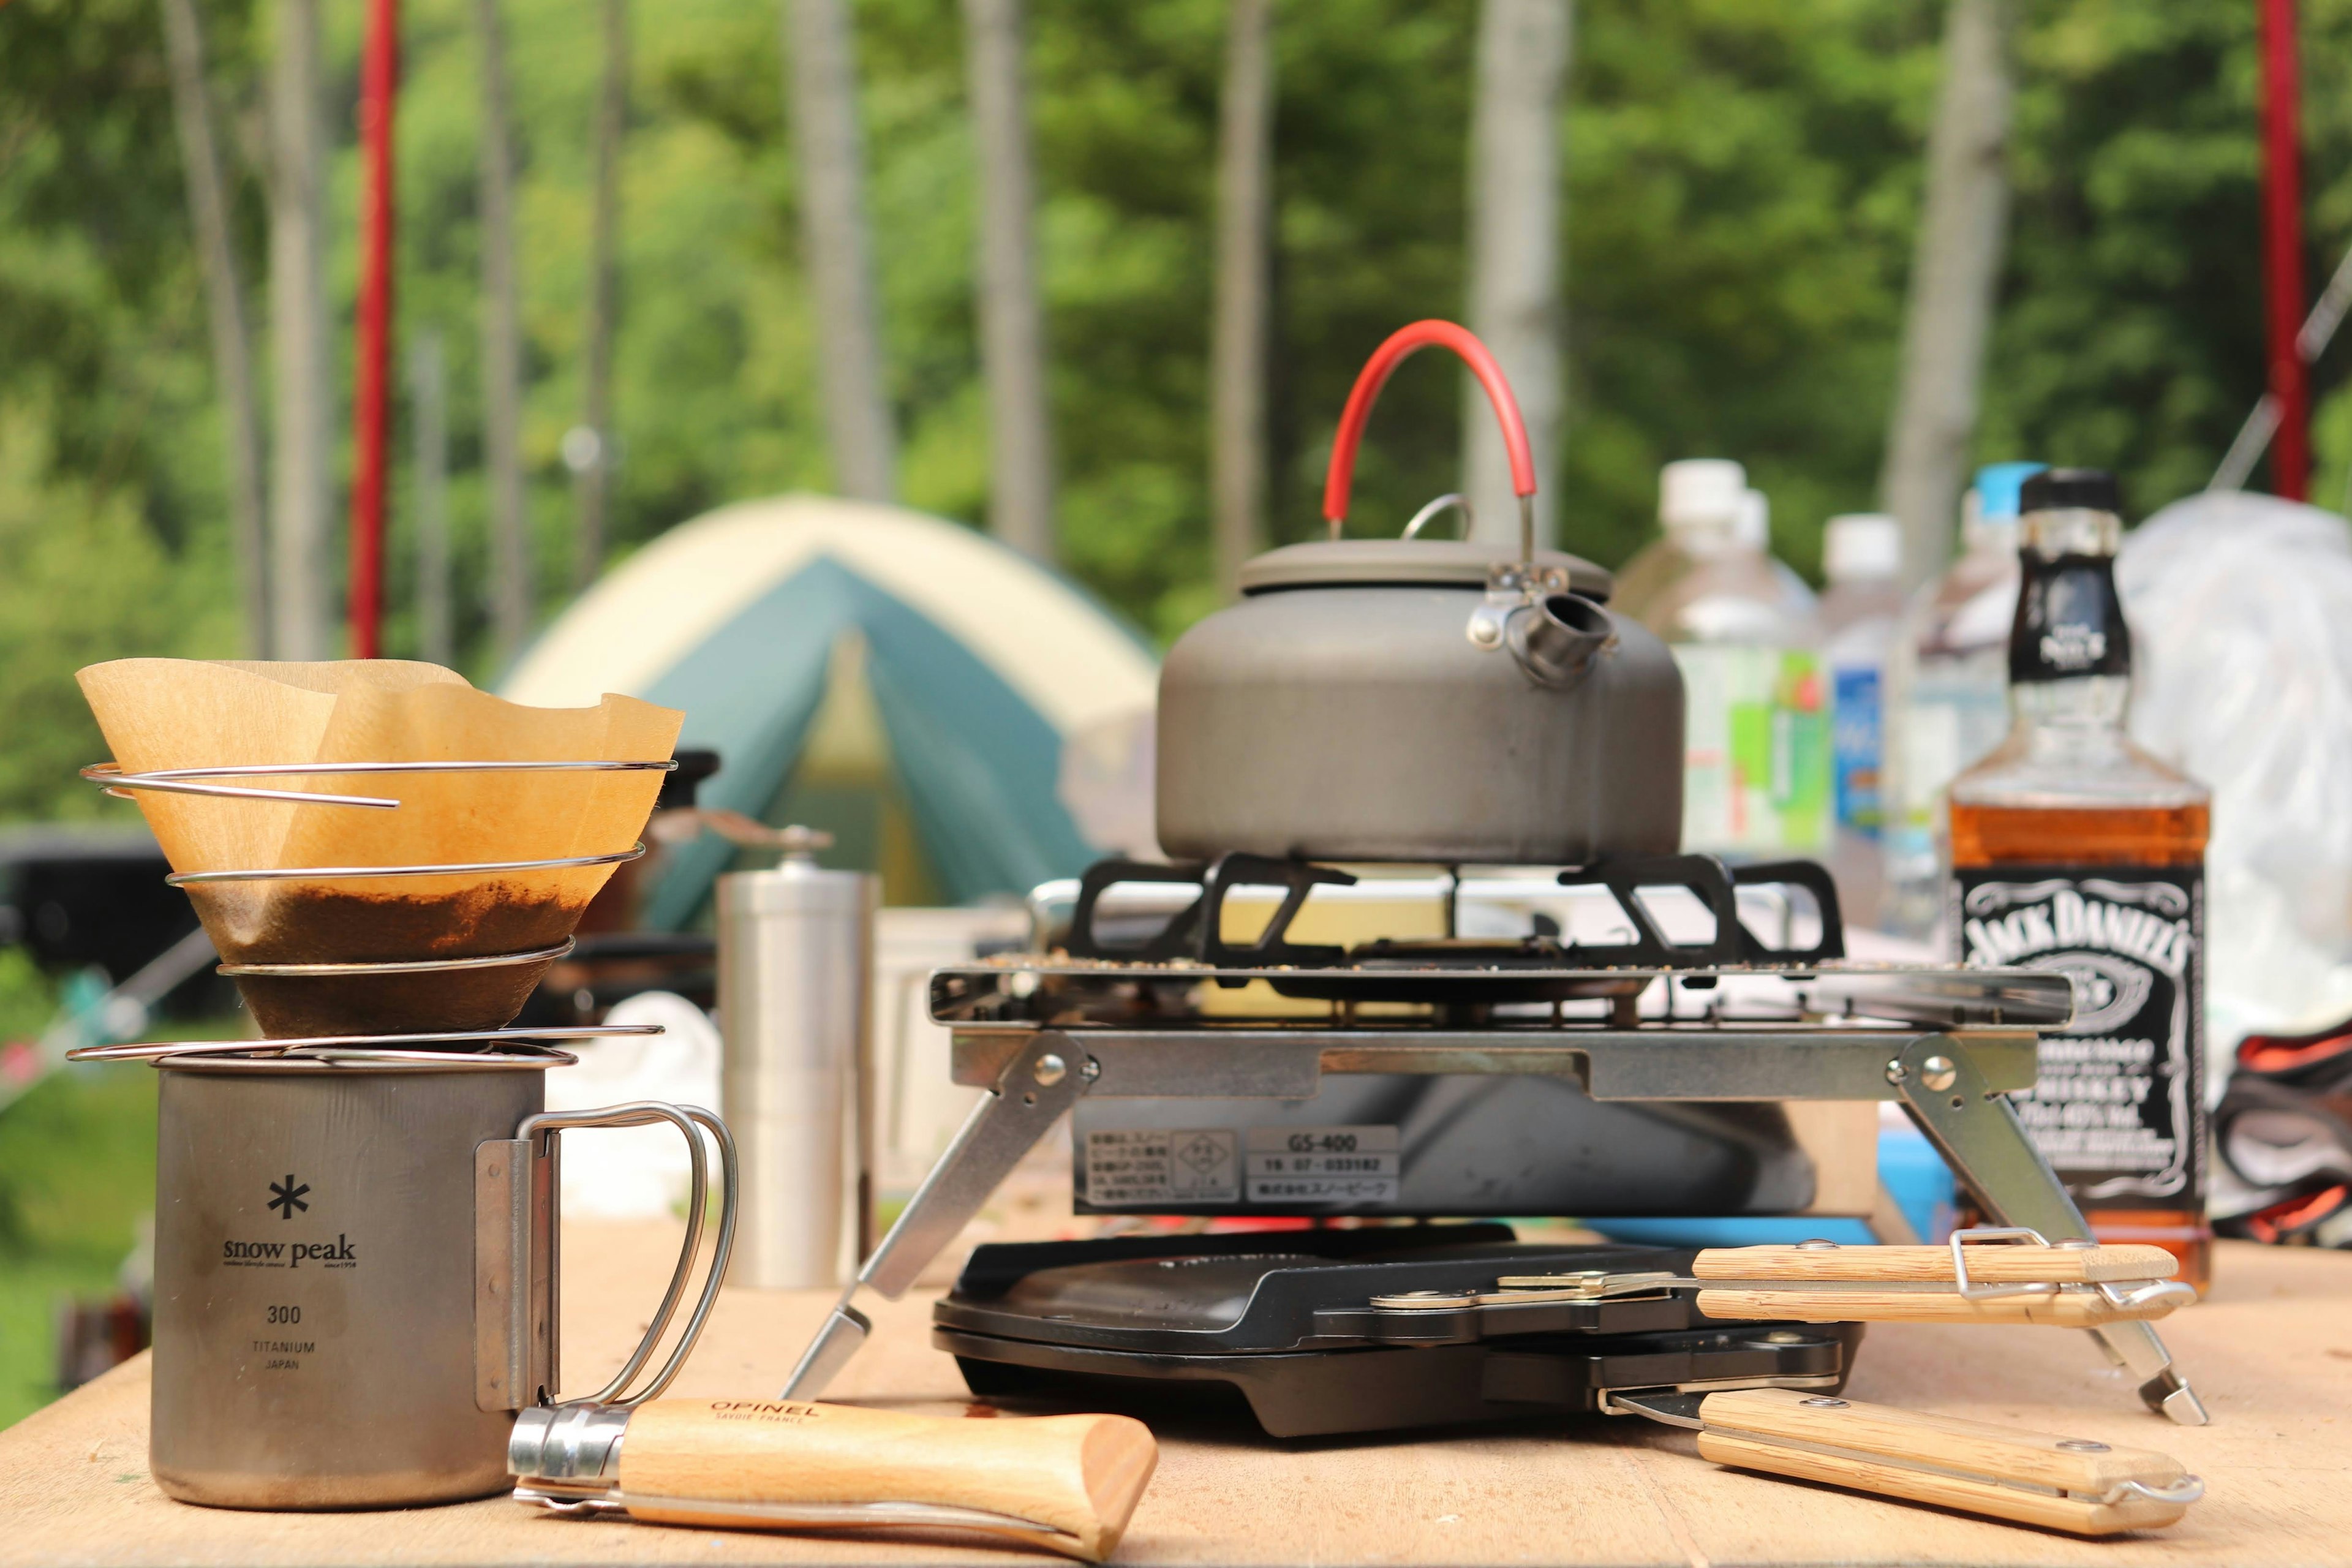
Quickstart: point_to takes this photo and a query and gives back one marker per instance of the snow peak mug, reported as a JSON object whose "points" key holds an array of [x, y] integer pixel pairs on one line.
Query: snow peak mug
{"points": [[355, 1271]]}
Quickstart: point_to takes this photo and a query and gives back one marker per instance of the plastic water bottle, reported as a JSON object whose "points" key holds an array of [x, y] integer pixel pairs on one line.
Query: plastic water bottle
{"points": [[1948, 702], [1747, 634], [1861, 556]]}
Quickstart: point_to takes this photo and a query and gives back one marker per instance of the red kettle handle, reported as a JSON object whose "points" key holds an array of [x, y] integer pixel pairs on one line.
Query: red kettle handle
{"points": [[1401, 343]]}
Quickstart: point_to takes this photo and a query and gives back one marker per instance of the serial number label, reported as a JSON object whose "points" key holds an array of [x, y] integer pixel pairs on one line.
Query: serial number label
{"points": [[1322, 1164]]}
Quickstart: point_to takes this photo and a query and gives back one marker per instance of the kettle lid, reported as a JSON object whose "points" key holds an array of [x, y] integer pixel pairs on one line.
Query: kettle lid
{"points": [[1403, 562]]}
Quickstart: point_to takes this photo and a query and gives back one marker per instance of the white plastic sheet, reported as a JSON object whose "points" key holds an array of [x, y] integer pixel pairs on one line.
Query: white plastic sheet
{"points": [[2240, 608]]}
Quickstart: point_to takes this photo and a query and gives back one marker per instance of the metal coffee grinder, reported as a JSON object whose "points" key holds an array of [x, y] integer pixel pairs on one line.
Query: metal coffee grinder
{"points": [[795, 979]]}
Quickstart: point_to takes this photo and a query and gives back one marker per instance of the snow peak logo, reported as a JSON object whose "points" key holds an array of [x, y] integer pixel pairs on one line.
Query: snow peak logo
{"points": [[2052, 914], [285, 1198], [338, 1253]]}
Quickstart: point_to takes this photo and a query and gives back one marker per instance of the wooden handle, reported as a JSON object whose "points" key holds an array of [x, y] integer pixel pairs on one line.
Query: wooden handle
{"points": [[1082, 1474], [1987, 1264], [1873, 1448], [1845, 1304]]}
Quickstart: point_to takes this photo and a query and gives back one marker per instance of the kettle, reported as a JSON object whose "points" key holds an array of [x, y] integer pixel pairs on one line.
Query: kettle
{"points": [[1441, 701]]}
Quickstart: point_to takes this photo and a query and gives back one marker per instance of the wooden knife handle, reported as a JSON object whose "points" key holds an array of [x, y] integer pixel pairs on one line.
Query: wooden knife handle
{"points": [[1873, 1447], [1848, 1304], [1078, 1474], [2002, 1265]]}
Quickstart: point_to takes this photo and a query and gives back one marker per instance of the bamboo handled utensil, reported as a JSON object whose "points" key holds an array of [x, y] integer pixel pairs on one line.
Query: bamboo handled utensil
{"points": [[1975, 1279], [2060, 1287], [2027, 1478], [1066, 1483]]}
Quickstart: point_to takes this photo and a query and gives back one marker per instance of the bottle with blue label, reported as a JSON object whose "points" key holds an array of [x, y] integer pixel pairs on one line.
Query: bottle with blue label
{"points": [[1861, 556]]}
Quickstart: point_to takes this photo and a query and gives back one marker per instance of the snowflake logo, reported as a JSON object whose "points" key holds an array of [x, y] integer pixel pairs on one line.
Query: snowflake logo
{"points": [[287, 1196]]}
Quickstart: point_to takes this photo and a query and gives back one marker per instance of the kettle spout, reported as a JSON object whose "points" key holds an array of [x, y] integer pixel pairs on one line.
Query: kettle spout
{"points": [[1555, 639]]}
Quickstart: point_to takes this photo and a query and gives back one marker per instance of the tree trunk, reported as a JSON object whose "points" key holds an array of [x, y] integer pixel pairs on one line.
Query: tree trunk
{"points": [[1515, 264], [1238, 337], [232, 344], [428, 403], [1012, 328], [1955, 273], [831, 158], [301, 589], [603, 290], [510, 568]]}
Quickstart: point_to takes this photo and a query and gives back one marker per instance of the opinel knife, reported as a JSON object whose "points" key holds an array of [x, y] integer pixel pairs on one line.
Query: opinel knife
{"points": [[2071, 1285], [2027, 1478], [1066, 1483]]}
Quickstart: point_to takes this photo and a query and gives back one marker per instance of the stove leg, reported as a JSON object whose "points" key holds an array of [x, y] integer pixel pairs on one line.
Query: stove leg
{"points": [[1031, 1094], [1978, 1134]]}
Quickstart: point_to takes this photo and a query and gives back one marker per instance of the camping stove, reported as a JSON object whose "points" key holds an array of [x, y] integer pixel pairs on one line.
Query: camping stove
{"points": [[1657, 1036]]}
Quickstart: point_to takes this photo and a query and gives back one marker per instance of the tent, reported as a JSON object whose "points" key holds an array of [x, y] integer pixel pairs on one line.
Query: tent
{"points": [[802, 629]]}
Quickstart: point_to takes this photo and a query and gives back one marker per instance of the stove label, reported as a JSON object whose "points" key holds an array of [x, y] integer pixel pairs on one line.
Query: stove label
{"points": [[2116, 1108], [1323, 1164], [1138, 1167]]}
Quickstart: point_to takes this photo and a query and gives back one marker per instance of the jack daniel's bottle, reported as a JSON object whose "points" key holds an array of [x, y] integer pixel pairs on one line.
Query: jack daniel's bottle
{"points": [[2073, 849]]}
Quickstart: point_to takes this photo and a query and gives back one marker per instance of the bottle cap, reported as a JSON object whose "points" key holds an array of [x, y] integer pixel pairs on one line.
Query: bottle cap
{"points": [[1700, 492], [1751, 525], [1996, 488], [1862, 547], [2069, 490]]}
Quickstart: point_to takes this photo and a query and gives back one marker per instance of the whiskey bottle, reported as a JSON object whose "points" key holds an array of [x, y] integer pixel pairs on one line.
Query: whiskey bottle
{"points": [[2074, 850]]}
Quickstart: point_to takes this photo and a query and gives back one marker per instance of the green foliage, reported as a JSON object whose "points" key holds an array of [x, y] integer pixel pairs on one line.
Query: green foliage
{"points": [[28, 999], [2131, 329], [1744, 182], [112, 535], [82, 578], [78, 1169]]}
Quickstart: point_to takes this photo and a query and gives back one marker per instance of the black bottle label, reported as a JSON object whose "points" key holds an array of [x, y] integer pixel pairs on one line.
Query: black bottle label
{"points": [[2118, 1109], [2069, 621]]}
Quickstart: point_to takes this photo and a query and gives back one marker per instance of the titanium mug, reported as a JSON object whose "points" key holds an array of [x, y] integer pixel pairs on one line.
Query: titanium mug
{"points": [[355, 1272]]}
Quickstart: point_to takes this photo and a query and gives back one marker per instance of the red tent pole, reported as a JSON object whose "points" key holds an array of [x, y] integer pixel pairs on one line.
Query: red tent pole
{"points": [[2282, 250], [371, 398]]}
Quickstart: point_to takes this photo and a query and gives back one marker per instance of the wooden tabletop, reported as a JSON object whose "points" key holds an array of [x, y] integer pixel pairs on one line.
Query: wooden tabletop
{"points": [[2271, 1352]]}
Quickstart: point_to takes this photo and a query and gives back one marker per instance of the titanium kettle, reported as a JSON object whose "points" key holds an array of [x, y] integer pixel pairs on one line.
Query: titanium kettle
{"points": [[1415, 700]]}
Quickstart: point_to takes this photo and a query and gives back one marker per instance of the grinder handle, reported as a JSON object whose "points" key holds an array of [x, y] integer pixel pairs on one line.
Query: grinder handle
{"points": [[1078, 1478]]}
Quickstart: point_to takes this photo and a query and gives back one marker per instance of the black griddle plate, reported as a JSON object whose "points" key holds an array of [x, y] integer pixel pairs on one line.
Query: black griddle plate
{"points": [[1265, 1292], [1279, 1320]]}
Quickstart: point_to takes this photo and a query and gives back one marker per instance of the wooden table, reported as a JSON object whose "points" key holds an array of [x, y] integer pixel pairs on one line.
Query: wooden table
{"points": [[2271, 1352]]}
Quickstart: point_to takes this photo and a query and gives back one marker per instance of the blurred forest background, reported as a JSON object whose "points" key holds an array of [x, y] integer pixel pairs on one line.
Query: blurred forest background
{"points": [[1743, 184]]}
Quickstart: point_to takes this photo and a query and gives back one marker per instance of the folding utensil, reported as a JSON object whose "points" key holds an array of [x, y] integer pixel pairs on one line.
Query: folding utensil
{"points": [[1065, 1483], [2063, 1483], [2027, 1478], [2072, 1284]]}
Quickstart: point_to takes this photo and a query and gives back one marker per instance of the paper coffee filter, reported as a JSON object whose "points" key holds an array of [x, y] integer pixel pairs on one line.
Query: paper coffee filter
{"points": [[193, 713], [166, 714]]}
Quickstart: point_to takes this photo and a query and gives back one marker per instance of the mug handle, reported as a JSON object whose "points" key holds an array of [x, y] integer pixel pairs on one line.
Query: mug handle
{"points": [[536, 1137]]}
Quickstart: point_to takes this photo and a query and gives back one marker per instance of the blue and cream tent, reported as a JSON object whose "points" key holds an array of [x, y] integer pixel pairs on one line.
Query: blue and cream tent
{"points": [[903, 681]]}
